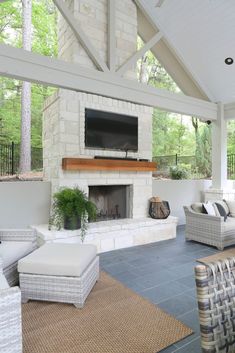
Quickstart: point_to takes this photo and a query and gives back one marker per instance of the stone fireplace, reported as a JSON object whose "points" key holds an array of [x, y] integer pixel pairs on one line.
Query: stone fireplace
{"points": [[112, 202], [121, 196]]}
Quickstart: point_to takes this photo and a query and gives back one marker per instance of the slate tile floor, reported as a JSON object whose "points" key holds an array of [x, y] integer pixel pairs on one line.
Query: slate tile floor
{"points": [[163, 272]]}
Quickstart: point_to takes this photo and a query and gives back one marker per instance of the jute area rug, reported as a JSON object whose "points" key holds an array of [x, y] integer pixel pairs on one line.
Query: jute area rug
{"points": [[113, 320], [218, 256]]}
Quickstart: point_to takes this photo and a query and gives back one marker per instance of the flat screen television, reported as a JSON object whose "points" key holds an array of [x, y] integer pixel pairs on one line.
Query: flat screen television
{"points": [[110, 130]]}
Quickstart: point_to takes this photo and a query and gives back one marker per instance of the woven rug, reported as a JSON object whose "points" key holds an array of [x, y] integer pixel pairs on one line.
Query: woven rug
{"points": [[113, 320], [218, 256]]}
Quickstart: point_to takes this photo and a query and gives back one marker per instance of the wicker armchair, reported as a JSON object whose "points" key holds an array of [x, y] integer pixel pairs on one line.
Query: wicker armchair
{"points": [[10, 317], [211, 230], [19, 235], [216, 302]]}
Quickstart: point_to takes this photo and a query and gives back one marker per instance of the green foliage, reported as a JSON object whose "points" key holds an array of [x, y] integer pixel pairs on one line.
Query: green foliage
{"points": [[70, 203], [178, 172], [231, 136], [44, 40]]}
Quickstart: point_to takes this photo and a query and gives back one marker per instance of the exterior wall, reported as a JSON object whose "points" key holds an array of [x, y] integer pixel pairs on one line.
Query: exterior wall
{"points": [[180, 193], [92, 16], [24, 203], [64, 136]]}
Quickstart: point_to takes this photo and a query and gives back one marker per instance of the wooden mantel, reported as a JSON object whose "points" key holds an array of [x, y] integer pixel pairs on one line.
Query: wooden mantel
{"points": [[107, 164]]}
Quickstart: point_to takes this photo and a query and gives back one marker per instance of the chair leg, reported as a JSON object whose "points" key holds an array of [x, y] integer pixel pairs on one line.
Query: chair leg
{"points": [[78, 305], [24, 300]]}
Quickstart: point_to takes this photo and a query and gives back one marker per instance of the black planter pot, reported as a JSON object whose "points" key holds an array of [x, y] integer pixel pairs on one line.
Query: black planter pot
{"points": [[72, 223], [159, 210]]}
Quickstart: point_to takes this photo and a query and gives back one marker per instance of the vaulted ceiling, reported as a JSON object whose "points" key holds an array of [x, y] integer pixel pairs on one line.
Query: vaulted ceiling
{"points": [[202, 35]]}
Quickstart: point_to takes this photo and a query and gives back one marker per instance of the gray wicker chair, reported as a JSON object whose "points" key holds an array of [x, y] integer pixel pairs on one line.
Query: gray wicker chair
{"points": [[216, 302], [10, 318], [24, 235], [211, 230]]}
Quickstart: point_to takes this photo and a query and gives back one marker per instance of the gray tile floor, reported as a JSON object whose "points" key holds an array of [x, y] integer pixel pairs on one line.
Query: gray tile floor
{"points": [[163, 272]]}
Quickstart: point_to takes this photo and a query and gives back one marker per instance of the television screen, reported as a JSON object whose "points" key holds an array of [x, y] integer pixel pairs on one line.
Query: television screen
{"points": [[110, 130]]}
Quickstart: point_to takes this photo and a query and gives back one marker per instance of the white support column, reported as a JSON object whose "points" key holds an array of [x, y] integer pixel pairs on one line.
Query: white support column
{"points": [[221, 188], [219, 150]]}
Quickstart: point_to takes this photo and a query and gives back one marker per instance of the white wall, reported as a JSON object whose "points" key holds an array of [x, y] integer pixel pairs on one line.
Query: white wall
{"points": [[24, 203], [180, 193]]}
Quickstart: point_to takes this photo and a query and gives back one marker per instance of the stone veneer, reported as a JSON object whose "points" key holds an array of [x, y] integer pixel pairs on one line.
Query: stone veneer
{"points": [[64, 136], [64, 112], [92, 17]]}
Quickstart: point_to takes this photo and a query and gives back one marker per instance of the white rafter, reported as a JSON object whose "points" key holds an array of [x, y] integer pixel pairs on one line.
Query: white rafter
{"points": [[133, 59], [144, 7], [111, 36], [80, 35], [20, 64]]}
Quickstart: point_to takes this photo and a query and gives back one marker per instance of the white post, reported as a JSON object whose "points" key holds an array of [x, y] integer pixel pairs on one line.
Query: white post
{"points": [[220, 188], [219, 150]]}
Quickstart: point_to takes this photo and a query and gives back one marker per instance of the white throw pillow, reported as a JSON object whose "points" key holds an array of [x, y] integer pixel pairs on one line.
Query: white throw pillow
{"points": [[231, 206], [209, 208]]}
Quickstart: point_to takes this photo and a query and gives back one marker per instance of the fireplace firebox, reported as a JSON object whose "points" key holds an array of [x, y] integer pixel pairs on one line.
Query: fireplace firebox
{"points": [[112, 201]]}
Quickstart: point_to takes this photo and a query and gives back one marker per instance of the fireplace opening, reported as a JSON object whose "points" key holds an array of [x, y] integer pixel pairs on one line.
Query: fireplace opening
{"points": [[112, 201]]}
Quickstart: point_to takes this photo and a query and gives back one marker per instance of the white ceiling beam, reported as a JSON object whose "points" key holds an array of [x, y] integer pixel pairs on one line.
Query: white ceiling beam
{"points": [[134, 58], [27, 66], [229, 111], [111, 36], [80, 35], [167, 55]]}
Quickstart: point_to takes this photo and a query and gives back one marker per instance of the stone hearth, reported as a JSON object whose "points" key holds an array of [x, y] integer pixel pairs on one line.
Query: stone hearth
{"points": [[115, 234]]}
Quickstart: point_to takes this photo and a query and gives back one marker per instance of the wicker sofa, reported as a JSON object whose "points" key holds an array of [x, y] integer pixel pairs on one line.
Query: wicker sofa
{"points": [[10, 317], [15, 244], [207, 229]]}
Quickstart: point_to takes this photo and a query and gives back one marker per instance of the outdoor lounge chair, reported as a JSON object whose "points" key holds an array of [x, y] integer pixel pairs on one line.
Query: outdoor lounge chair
{"points": [[207, 229], [216, 303]]}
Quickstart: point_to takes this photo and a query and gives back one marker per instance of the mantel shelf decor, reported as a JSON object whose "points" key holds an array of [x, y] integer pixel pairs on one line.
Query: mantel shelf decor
{"points": [[107, 164]]}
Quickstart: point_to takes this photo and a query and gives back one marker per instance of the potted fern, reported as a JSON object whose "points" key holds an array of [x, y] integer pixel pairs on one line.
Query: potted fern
{"points": [[71, 209]]}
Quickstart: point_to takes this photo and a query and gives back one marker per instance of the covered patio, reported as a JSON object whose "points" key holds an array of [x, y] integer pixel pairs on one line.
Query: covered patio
{"points": [[97, 141]]}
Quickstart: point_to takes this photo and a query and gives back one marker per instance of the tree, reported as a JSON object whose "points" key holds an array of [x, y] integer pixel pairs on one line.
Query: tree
{"points": [[25, 146], [44, 41]]}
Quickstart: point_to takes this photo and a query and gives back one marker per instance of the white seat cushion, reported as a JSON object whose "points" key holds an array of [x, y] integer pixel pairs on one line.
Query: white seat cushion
{"points": [[12, 251], [58, 260], [231, 206]]}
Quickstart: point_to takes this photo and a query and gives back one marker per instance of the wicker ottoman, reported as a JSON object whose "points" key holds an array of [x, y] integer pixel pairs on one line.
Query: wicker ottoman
{"points": [[59, 273]]}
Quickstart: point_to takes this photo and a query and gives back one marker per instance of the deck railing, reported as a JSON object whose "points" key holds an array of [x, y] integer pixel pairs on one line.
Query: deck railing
{"points": [[10, 158], [165, 162]]}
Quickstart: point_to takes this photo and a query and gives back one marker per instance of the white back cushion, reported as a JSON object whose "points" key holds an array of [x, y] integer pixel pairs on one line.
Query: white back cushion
{"points": [[209, 208]]}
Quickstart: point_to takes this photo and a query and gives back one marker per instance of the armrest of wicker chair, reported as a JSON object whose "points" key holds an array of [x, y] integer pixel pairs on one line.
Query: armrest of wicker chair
{"points": [[1, 266], [204, 228], [216, 303], [10, 321], [19, 235]]}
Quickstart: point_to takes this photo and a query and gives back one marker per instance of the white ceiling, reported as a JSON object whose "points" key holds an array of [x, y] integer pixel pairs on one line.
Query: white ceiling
{"points": [[202, 32]]}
